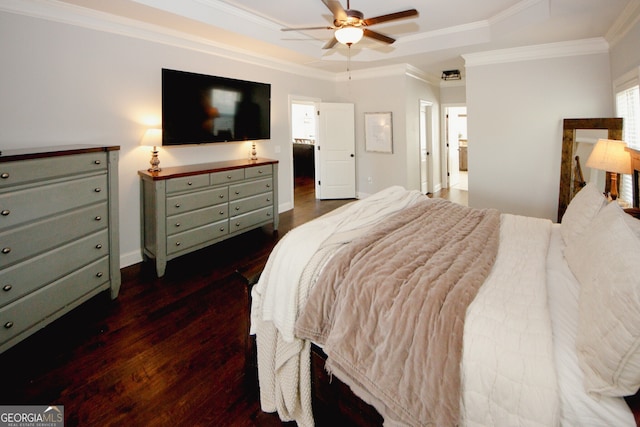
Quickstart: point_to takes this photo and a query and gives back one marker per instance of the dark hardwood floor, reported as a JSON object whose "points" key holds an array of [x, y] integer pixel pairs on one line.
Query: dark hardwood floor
{"points": [[167, 351]]}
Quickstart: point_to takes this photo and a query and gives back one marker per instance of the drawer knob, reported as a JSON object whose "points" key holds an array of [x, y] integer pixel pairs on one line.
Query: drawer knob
{"points": [[228, 176], [178, 243], [177, 224], [6, 250], [97, 162], [260, 171], [4, 175], [237, 208], [99, 274], [97, 190], [99, 246], [237, 224], [189, 183], [5, 212], [98, 218], [268, 213], [268, 185], [8, 325], [177, 205], [221, 196], [237, 192], [221, 228], [268, 199], [221, 212], [7, 288]]}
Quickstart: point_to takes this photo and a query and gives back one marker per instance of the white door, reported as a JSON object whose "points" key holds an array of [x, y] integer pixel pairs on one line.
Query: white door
{"points": [[335, 151]]}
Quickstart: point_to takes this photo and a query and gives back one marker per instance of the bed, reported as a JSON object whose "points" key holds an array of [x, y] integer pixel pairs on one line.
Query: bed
{"points": [[438, 314]]}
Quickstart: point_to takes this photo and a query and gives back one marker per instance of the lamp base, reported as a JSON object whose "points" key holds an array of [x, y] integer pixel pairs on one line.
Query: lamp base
{"points": [[254, 154], [613, 191], [155, 161]]}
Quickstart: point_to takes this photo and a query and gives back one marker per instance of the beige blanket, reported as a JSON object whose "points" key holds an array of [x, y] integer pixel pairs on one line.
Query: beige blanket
{"points": [[389, 310]]}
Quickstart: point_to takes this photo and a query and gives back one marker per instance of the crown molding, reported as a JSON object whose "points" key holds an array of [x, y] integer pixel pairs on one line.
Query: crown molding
{"points": [[387, 71], [543, 51], [66, 13], [625, 22]]}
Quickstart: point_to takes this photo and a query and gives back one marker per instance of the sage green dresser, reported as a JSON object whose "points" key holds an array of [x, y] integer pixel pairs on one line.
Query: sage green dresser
{"points": [[58, 234], [187, 208]]}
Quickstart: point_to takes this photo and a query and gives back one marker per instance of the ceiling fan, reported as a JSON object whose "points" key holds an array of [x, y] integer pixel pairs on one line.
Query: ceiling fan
{"points": [[350, 24]]}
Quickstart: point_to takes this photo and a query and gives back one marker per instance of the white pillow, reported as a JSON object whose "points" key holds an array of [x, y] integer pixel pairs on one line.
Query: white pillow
{"points": [[606, 261], [584, 206]]}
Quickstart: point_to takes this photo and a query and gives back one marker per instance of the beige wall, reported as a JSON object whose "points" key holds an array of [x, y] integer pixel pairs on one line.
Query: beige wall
{"points": [[65, 84], [515, 113]]}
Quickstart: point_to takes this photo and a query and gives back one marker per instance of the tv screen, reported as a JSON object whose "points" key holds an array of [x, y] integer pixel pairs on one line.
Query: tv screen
{"points": [[199, 109]]}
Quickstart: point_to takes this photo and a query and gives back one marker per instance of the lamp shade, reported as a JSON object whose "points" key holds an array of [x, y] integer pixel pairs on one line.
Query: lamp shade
{"points": [[349, 35], [610, 155], [152, 137]]}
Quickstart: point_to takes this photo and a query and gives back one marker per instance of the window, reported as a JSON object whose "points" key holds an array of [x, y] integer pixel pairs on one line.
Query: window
{"points": [[628, 107]]}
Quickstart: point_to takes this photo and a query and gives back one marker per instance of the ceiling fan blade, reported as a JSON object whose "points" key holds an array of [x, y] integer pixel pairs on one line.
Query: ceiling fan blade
{"points": [[390, 17], [331, 43], [339, 14], [377, 36], [307, 28]]}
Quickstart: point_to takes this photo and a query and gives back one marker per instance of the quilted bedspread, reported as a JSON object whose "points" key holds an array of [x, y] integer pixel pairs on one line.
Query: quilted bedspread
{"points": [[389, 309], [508, 367]]}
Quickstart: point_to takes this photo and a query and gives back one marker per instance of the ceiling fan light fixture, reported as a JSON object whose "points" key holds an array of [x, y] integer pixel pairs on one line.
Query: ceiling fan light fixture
{"points": [[349, 35]]}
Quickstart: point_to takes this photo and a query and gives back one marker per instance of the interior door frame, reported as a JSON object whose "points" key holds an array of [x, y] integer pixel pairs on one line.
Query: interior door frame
{"points": [[296, 99], [445, 152], [426, 135]]}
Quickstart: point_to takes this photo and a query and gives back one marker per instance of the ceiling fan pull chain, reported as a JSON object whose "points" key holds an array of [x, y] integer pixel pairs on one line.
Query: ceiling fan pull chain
{"points": [[349, 60]]}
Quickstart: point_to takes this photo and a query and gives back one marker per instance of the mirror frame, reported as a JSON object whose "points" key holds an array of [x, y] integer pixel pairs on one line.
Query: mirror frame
{"points": [[567, 190]]}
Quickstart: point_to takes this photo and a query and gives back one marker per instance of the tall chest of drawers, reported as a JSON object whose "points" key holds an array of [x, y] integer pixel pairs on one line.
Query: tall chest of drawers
{"points": [[59, 243], [190, 207]]}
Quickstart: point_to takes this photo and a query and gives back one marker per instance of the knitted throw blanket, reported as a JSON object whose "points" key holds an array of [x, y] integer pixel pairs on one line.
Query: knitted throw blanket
{"points": [[389, 309]]}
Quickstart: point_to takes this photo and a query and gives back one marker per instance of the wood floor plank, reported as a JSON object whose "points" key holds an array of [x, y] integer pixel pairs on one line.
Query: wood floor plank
{"points": [[168, 351]]}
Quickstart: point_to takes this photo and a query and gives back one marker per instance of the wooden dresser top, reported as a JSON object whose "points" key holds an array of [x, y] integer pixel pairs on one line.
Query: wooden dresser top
{"points": [[58, 150]]}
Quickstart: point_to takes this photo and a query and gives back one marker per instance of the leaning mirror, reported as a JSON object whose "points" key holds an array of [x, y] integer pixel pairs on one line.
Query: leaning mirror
{"points": [[576, 134]]}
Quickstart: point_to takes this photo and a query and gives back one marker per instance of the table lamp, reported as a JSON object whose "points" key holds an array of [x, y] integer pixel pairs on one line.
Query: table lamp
{"points": [[153, 138], [610, 155]]}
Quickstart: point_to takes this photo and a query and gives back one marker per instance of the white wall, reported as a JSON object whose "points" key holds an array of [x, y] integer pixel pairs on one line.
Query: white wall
{"points": [[515, 113], [398, 91], [625, 55], [65, 84]]}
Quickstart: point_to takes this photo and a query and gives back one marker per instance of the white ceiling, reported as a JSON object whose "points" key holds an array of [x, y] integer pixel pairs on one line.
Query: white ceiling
{"points": [[431, 42]]}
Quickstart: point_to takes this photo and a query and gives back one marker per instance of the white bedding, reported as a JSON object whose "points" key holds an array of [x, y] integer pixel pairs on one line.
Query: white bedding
{"points": [[546, 390], [577, 407], [508, 372]]}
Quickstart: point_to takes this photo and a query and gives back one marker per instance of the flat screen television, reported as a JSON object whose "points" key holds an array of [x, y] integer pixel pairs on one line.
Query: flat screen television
{"points": [[201, 109]]}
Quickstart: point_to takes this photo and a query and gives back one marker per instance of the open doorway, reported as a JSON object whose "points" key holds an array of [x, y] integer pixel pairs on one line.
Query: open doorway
{"points": [[457, 145], [303, 139]]}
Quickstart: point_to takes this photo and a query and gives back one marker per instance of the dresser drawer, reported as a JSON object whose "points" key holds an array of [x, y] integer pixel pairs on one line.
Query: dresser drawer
{"points": [[196, 200], [19, 243], [248, 220], [193, 219], [21, 279], [258, 171], [25, 171], [181, 241], [22, 206], [246, 189], [21, 315], [225, 177], [242, 206], [187, 183]]}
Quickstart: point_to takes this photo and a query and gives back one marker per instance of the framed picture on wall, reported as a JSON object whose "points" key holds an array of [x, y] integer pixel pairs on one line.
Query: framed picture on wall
{"points": [[378, 132]]}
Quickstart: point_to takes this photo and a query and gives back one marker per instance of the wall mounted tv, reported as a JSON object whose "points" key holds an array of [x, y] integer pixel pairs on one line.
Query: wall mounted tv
{"points": [[201, 109]]}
